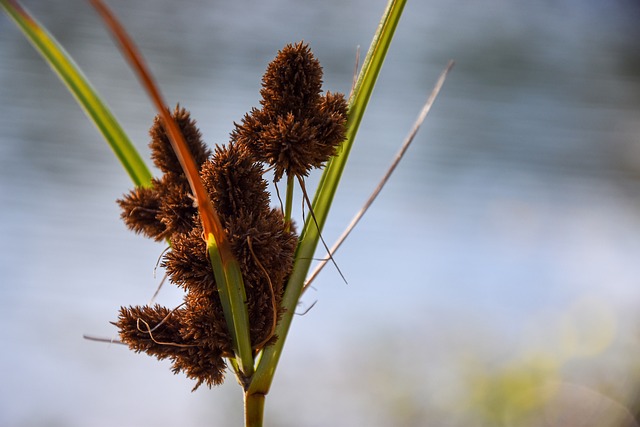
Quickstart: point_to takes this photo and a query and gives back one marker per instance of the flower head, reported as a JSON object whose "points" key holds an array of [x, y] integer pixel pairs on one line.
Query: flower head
{"points": [[297, 128]]}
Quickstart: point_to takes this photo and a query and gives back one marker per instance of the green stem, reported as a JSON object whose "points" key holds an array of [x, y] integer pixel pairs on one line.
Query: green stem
{"points": [[261, 381], [288, 202], [253, 409]]}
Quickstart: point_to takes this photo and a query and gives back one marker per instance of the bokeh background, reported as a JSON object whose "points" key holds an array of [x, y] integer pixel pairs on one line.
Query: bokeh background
{"points": [[495, 282]]}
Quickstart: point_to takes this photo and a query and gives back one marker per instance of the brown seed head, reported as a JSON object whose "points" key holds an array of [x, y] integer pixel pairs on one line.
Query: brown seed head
{"points": [[140, 208], [233, 179], [292, 82], [297, 128], [164, 334], [162, 152]]}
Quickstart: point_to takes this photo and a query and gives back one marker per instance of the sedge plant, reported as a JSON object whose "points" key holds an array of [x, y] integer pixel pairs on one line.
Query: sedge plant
{"points": [[242, 264]]}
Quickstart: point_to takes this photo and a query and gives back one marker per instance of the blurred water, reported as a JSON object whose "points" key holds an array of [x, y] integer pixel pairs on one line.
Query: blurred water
{"points": [[519, 198]]}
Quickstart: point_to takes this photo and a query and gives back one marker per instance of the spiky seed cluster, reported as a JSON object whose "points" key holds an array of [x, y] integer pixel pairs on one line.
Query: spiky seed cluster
{"points": [[162, 152], [167, 207], [195, 336], [160, 332], [297, 128]]}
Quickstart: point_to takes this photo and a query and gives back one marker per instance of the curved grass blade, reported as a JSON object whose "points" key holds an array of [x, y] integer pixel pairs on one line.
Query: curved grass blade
{"points": [[310, 235], [225, 266], [70, 74]]}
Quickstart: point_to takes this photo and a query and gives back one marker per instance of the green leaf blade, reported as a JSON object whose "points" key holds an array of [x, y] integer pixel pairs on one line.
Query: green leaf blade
{"points": [[233, 299], [71, 75]]}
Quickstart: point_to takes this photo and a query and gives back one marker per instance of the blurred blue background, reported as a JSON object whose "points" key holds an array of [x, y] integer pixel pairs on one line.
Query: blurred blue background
{"points": [[496, 281]]}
